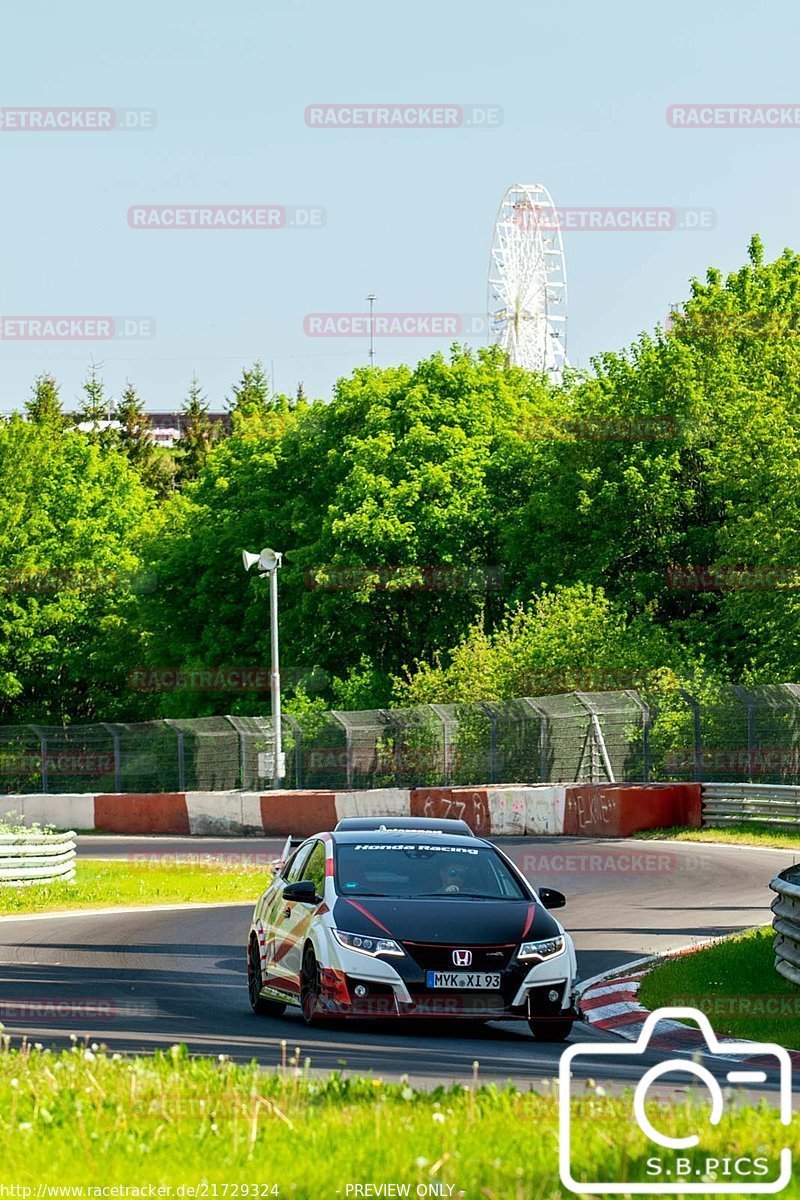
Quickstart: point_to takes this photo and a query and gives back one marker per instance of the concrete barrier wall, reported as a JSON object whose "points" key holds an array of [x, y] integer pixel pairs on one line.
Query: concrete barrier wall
{"points": [[618, 810], [573, 810]]}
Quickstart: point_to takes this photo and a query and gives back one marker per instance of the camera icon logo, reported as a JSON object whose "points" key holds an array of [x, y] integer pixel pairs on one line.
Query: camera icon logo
{"points": [[675, 1173]]}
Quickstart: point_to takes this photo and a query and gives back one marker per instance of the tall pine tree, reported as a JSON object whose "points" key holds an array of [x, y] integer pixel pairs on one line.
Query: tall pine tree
{"points": [[197, 433], [253, 405], [155, 465], [96, 409], [136, 435]]}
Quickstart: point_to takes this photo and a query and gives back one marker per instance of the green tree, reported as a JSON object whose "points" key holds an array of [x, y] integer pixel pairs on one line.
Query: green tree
{"points": [[96, 410], [669, 455], [388, 503], [155, 464], [44, 406], [570, 639], [253, 408], [71, 515], [136, 433], [197, 433]]}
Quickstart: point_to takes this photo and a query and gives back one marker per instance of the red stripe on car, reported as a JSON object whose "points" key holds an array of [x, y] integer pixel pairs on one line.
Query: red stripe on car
{"points": [[529, 921], [365, 912]]}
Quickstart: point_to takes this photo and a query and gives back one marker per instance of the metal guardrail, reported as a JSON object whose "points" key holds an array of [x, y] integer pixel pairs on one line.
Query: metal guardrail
{"points": [[786, 923], [36, 857], [734, 803]]}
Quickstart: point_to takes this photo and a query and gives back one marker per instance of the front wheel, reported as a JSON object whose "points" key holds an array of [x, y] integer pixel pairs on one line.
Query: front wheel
{"points": [[550, 1031], [260, 1006], [310, 988]]}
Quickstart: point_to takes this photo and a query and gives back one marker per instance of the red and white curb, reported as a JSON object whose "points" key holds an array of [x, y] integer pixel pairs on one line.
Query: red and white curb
{"points": [[610, 1002]]}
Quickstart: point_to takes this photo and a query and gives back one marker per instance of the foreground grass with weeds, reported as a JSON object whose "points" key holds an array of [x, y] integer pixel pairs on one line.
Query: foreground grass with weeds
{"points": [[84, 1117], [755, 833], [735, 983], [101, 884]]}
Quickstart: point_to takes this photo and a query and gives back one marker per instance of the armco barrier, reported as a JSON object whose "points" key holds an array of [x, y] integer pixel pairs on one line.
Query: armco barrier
{"points": [[786, 922], [544, 810], [36, 857], [740, 803]]}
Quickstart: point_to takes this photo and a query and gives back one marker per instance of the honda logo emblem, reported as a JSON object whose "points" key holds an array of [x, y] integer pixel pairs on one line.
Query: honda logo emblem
{"points": [[462, 958]]}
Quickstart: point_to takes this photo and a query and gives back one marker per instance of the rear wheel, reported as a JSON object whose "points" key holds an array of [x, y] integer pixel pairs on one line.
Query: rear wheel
{"points": [[264, 1008], [550, 1031]]}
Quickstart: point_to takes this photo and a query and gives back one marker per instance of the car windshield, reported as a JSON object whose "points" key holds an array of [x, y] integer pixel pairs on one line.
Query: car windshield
{"points": [[423, 870]]}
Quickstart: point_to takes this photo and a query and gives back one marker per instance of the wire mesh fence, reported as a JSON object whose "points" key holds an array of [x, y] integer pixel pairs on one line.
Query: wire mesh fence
{"points": [[734, 735]]}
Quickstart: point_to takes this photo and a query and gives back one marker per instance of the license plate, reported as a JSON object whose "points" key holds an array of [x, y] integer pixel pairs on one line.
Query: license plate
{"points": [[469, 980]]}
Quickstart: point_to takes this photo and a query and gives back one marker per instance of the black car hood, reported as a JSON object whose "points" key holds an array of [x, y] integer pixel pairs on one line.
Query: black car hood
{"points": [[449, 920]]}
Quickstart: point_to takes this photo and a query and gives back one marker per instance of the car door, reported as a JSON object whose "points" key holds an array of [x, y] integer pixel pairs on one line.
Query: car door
{"points": [[277, 923], [298, 915]]}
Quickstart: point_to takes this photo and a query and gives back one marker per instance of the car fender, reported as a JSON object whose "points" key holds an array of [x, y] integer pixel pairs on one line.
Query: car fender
{"points": [[320, 937]]}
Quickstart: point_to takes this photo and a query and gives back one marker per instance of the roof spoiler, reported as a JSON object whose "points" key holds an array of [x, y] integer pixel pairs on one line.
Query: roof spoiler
{"points": [[405, 824], [289, 847]]}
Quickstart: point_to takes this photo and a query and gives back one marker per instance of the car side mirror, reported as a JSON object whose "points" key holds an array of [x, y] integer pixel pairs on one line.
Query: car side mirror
{"points": [[303, 891], [550, 898]]}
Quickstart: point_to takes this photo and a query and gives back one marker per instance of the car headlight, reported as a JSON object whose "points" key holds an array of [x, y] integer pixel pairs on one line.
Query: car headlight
{"points": [[368, 945], [545, 949]]}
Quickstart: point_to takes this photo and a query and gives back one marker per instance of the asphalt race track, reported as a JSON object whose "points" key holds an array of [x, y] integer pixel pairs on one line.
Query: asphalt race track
{"points": [[153, 978]]}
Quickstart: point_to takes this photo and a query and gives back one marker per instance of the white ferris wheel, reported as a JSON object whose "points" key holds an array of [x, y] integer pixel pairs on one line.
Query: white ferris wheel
{"points": [[527, 295]]}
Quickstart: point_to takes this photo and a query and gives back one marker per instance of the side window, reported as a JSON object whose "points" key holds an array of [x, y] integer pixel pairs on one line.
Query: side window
{"points": [[315, 868], [294, 867]]}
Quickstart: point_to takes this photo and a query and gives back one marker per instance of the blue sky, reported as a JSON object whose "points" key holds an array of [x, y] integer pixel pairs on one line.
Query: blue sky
{"points": [[584, 90]]}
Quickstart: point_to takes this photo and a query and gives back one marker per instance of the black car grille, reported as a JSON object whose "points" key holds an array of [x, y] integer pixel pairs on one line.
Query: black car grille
{"points": [[433, 956]]}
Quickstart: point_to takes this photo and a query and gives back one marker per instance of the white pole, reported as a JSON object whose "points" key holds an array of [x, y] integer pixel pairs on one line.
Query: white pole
{"points": [[275, 678]]}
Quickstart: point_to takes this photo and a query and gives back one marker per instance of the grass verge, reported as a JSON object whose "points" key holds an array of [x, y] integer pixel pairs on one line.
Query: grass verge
{"points": [[750, 834], [84, 1118], [735, 983], [101, 884]]}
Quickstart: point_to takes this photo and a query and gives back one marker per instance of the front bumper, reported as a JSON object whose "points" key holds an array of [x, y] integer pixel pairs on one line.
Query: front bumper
{"points": [[356, 985]]}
